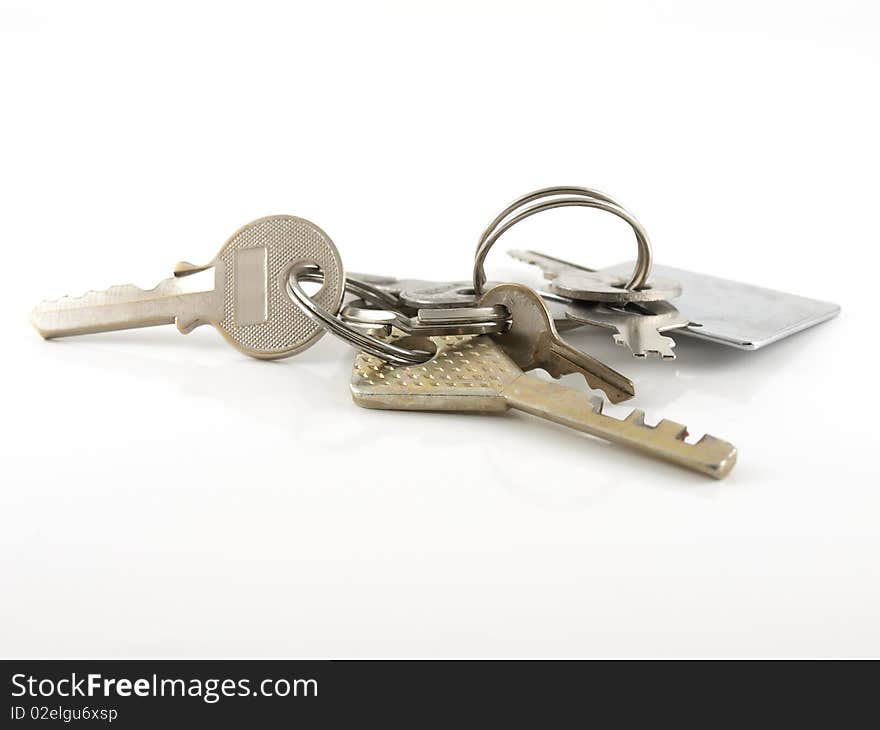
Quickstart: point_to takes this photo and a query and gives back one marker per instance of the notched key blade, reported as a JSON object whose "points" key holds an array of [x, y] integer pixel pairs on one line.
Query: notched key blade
{"points": [[639, 327], [533, 342], [714, 456], [108, 309], [551, 266], [710, 456], [475, 374], [599, 376]]}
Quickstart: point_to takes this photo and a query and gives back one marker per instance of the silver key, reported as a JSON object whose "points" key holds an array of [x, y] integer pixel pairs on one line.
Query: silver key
{"points": [[412, 295], [579, 282], [640, 331], [415, 294], [727, 312], [427, 322], [440, 294], [245, 295], [533, 342], [740, 315], [475, 374], [390, 285]]}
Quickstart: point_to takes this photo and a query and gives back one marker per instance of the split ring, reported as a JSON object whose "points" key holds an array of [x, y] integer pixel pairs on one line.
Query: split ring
{"points": [[391, 353], [587, 198]]}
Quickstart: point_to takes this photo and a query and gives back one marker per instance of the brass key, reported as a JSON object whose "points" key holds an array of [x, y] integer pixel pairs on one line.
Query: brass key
{"points": [[475, 374], [532, 341]]}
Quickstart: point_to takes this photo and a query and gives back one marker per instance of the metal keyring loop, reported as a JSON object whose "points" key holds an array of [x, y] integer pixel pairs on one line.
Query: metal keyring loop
{"points": [[394, 354], [589, 199], [545, 193], [362, 290]]}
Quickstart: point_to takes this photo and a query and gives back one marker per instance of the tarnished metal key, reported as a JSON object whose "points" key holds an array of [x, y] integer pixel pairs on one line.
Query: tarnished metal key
{"points": [[427, 322], [413, 294], [244, 296], [578, 282], [475, 374], [638, 327], [533, 342], [722, 311]]}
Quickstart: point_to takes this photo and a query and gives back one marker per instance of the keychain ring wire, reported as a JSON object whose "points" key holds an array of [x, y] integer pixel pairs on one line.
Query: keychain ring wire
{"points": [[586, 198], [388, 351]]}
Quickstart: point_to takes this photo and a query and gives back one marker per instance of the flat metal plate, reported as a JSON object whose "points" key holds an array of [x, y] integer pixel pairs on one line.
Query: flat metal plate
{"points": [[736, 314]]}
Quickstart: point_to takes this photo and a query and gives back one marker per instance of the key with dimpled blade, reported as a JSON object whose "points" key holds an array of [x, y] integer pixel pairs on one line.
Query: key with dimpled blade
{"points": [[532, 341], [475, 374], [246, 299]]}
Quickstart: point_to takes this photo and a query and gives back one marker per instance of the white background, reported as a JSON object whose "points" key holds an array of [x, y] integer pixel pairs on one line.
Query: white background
{"points": [[165, 495]]}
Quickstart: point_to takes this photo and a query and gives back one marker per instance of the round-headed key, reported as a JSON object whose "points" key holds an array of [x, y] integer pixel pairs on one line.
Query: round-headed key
{"points": [[583, 284], [246, 299], [533, 342]]}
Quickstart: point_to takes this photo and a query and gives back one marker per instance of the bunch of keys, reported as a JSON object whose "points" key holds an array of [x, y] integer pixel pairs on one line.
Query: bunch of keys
{"points": [[452, 346]]}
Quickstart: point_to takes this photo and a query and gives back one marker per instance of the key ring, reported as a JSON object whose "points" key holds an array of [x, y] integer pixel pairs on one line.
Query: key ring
{"points": [[391, 353], [587, 198], [359, 288]]}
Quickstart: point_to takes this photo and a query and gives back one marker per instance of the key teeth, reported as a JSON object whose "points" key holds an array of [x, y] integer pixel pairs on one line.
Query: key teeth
{"points": [[663, 351], [649, 352], [118, 293], [716, 456], [667, 353], [73, 300], [708, 440], [677, 431], [185, 326], [637, 417], [185, 268], [531, 258], [115, 293]]}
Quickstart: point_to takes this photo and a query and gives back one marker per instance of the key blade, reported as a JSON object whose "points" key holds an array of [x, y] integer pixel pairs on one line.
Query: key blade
{"points": [[638, 327], [642, 344], [551, 266], [471, 374], [710, 456], [456, 315], [127, 306], [567, 360]]}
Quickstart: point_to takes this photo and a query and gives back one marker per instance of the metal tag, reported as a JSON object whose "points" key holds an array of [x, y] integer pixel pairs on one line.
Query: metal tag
{"points": [[735, 314]]}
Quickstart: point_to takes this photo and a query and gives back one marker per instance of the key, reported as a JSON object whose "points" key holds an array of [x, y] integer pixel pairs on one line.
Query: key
{"points": [[726, 312], [419, 295], [579, 282], [740, 315], [440, 294], [413, 294], [245, 295], [427, 322], [640, 331], [532, 341], [475, 374]]}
